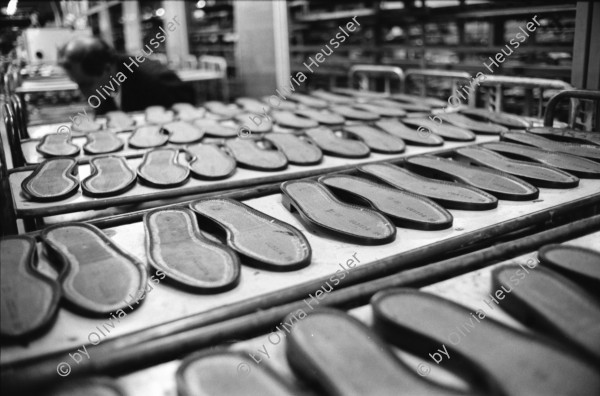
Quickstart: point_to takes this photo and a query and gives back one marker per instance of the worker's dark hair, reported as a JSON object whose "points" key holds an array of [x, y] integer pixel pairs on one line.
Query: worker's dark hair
{"points": [[92, 53]]}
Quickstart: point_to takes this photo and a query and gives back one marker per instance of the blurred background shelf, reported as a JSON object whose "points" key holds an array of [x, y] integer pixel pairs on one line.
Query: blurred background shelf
{"points": [[452, 35]]}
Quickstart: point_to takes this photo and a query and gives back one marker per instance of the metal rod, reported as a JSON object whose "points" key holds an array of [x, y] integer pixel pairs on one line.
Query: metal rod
{"points": [[575, 93]]}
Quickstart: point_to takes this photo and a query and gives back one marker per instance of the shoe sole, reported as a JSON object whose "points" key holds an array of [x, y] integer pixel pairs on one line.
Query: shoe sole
{"points": [[209, 162], [487, 350], [419, 137], [499, 184], [465, 122], [261, 240], [161, 168], [148, 136], [298, 151], [586, 151], [335, 146], [449, 195], [97, 276], [52, 180], [405, 209], [536, 174], [319, 209], [322, 345], [377, 140], [248, 155], [110, 176], [175, 246], [578, 166], [29, 297], [57, 145], [528, 302], [102, 142]]}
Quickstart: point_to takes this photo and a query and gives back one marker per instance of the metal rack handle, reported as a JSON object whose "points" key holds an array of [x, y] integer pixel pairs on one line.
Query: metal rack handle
{"points": [[573, 94], [378, 70], [453, 75], [501, 81]]}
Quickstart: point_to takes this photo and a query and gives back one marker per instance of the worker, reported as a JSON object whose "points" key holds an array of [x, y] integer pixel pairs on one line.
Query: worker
{"points": [[110, 81]]}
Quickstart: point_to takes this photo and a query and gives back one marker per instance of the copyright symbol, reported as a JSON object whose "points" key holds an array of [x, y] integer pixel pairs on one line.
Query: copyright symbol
{"points": [[243, 369], [63, 129], [244, 131], [423, 369], [63, 369], [423, 131]]}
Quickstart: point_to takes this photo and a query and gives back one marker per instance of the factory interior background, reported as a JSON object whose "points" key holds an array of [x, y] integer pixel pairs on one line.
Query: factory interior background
{"points": [[301, 197]]}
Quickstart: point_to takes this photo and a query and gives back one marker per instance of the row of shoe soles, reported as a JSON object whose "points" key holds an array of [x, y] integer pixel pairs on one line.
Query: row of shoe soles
{"points": [[290, 148], [338, 355], [478, 120], [236, 362], [352, 223], [106, 142], [122, 121], [388, 139], [278, 245], [493, 122], [395, 106], [356, 224], [102, 142], [216, 164], [178, 248], [97, 277], [303, 118], [55, 179]]}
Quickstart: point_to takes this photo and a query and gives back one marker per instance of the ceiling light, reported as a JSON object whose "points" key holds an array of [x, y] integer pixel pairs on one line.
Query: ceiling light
{"points": [[11, 8]]}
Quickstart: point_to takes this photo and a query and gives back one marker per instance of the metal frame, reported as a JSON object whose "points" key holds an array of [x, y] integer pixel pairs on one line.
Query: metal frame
{"points": [[8, 225], [574, 96], [454, 77], [171, 340], [20, 112], [12, 133], [11, 80], [386, 71], [495, 100]]}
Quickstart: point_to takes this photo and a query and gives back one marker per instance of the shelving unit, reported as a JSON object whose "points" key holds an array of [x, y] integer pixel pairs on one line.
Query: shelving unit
{"points": [[211, 32], [457, 35]]}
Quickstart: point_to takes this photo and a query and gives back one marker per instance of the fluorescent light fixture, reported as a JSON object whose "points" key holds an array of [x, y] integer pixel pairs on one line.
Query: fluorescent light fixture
{"points": [[11, 8]]}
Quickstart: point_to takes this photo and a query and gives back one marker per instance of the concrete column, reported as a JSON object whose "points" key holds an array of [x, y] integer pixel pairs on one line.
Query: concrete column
{"points": [[177, 44], [132, 27], [262, 51]]}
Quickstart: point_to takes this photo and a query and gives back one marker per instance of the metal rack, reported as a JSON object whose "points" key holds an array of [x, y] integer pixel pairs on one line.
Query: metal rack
{"points": [[169, 324]]}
